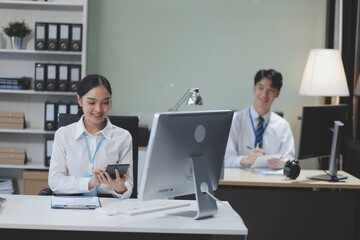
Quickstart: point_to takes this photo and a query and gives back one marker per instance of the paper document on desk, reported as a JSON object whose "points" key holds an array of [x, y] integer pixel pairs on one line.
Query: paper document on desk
{"points": [[262, 162], [75, 202], [268, 171]]}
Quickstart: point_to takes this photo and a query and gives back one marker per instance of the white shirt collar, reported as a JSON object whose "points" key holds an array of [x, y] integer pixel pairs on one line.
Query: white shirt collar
{"points": [[255, 115], [80, 128]]}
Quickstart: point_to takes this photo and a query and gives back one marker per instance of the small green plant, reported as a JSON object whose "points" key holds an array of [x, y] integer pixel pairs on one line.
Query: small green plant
{"points": [[17, 29]]}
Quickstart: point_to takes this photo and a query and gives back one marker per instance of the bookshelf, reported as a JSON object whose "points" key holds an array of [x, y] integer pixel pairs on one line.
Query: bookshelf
{"points": [[22, 63]]}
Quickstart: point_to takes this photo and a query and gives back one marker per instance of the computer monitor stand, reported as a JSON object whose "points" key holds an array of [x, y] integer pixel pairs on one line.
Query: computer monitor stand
{"points": [[332, 176], [206, 204], [325, 177]]}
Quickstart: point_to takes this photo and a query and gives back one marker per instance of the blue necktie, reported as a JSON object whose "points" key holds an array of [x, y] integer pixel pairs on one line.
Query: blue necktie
{"points": [[259, 131]]}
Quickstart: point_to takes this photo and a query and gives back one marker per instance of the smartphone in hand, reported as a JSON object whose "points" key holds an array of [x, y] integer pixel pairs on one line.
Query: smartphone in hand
{"points": [[121, 167]]}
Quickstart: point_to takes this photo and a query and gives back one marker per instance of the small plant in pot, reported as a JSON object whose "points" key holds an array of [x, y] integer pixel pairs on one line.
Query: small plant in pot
{"points": [[17, 31]]}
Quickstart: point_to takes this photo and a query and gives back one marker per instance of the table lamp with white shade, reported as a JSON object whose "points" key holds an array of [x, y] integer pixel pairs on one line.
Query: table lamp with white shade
{"points": [[324, 74]]}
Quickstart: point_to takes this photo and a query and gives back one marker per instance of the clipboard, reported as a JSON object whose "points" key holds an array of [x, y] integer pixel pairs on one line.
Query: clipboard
{"points": [[75, 202]]}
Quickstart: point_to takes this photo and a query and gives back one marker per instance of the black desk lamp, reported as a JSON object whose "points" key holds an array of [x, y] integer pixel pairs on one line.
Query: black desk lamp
{"points": [[193, 98]]}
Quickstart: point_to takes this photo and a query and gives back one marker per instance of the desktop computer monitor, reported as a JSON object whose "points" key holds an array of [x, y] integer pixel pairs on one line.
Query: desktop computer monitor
{"points": [[321, 135], [185, 156]]}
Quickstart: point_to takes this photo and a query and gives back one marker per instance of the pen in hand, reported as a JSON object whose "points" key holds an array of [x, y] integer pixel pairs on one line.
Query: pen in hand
{"points": [[248, 147]]}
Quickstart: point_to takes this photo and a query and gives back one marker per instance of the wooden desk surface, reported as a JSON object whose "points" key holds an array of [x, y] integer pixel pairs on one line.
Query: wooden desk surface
{"points": [[245, 177]]}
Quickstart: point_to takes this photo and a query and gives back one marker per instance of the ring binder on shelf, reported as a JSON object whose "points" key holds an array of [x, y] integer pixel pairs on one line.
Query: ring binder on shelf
{"points": [[62, 108], [76, 37], [64, 37], [50, 116], [52, 77], [40, 74], [52, 39], [75, 73], [48, 149], [63, 83], [73, 108], [40, 36]]}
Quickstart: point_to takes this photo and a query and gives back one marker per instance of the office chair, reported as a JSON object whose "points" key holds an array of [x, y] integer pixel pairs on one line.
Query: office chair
{"points": [[130, 123], [280, 113]]}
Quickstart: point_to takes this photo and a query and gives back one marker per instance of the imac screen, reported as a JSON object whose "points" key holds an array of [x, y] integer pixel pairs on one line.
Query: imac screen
{"points": [[186, 150]]}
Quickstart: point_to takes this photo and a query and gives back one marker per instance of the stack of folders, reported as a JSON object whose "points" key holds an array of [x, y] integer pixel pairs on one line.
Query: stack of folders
{"points": [[52, 111], [2, 200], [13, 156], [12, 120], [15, 82], [58, 36], [56, 77]]}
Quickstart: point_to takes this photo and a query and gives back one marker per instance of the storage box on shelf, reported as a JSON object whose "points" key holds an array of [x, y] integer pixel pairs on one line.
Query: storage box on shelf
{"points": [[12, 120], [16, 156]]}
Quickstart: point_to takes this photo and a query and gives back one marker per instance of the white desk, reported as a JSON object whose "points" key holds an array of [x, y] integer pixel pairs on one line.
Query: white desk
{"points": [[34, 213]]}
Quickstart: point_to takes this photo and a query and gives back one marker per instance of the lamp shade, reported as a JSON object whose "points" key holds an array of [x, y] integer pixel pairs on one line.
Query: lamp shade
{"points": [[324, 74]]}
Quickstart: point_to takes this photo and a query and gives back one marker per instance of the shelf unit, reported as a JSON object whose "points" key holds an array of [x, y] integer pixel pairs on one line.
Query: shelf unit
{"points": [[22, 63]]}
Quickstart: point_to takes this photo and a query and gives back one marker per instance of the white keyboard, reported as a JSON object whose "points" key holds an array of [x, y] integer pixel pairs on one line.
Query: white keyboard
{"points": [[153, 206]]}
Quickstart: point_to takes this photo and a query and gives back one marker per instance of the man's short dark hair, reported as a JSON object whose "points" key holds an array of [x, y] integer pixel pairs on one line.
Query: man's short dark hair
{"points": [[271, 74]]}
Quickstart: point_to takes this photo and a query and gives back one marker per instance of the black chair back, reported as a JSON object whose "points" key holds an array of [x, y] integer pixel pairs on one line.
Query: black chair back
{"points": [[130, 123]]}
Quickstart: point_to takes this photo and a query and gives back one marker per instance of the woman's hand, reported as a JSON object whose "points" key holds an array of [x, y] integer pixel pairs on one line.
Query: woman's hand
{"points": [[94, 181], [118, 184]]}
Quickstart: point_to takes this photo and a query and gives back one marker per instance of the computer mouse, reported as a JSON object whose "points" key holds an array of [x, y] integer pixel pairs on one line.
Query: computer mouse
{"points": [[106, 211]]}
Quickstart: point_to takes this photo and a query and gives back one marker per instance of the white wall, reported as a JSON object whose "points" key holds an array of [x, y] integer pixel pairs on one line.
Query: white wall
{"points": [[152, 51]]}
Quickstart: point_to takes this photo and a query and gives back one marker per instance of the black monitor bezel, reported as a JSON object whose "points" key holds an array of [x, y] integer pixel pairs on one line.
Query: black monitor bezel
{"points": [[316, 134]]}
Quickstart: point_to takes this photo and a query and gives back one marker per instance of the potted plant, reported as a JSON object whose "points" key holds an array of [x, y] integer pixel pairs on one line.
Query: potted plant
{"points": [[17, 30]]}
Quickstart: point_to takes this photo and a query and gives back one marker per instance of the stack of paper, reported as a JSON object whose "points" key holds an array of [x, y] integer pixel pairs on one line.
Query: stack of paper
{"points": [[262, 162], [6, 186]]}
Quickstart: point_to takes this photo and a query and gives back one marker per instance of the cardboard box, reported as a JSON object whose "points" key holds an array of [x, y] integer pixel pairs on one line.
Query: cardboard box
{"points": [[12, 150], [12, 125], [12, 120], [20, 156], [35, 181], [12, 114], [12, 161], [15, 156]]}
